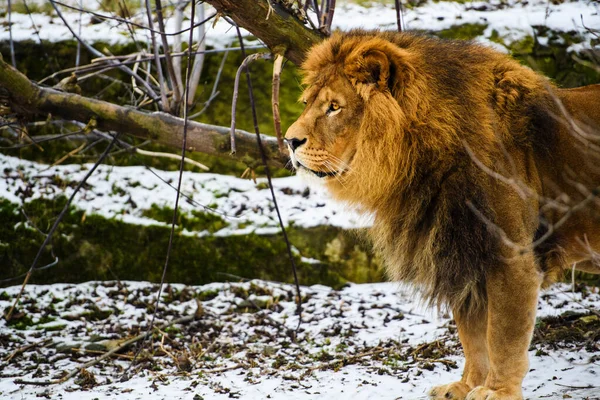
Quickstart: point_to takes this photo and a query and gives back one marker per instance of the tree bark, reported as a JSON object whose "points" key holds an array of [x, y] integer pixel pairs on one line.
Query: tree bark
{"points": [[28, 98], [282, 32]]}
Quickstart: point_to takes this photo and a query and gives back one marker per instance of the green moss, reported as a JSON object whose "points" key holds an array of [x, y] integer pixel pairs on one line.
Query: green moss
{"points": [[53, 328], [96, 248], [20, 321], [196, 221], [22, 7], [122, 8], [347, 252], [207, 294], [454, 1], [463, 31], [46, 319]]}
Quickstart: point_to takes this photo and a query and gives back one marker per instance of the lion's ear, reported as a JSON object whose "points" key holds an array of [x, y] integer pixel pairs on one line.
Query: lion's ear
{"points": [[372, 67], [385, 67]]}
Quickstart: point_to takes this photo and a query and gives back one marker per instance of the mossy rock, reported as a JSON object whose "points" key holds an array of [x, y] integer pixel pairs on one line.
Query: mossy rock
{"points": [[92, 247]]}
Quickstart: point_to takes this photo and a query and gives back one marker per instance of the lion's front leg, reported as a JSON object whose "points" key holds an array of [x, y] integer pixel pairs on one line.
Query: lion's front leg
{"points": [[512, 291], [472, 334]]}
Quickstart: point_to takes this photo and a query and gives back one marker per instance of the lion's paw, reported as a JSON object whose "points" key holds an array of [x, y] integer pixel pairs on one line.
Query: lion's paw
{"points": [[484, 393], [455, 390]]}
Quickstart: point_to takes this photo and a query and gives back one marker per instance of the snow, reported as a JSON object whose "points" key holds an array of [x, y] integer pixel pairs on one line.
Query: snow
{"points": [[338, 323], [512, 20], [125, 192]]}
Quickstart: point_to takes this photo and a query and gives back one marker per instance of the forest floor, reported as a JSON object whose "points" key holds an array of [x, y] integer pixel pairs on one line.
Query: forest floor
{"points": [[243, 340]]}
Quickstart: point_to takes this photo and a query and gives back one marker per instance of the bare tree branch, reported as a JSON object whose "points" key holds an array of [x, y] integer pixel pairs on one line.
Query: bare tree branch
{"points": [[281, 31], [168, 58], [161, 80], [277, 67], [244, 66], [28, 98], [199, 56]]}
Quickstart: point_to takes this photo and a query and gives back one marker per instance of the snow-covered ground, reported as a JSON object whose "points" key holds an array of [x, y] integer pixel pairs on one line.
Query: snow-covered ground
{"points": [[511, 20], [369, 341], [126, 192]]}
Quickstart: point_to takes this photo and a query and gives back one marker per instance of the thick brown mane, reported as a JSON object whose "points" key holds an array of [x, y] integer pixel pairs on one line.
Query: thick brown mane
{"points": [[412, 167]]}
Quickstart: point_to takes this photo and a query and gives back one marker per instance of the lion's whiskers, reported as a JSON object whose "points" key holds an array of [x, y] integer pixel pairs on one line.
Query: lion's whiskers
{"points": [[329, 166], [342, 165], [289, 165]]}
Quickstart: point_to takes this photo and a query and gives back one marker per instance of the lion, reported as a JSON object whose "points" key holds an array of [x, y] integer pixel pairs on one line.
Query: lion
{"points": [[480, 173]]}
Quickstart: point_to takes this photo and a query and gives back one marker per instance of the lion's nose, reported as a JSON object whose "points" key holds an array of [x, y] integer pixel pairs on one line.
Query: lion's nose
{"points": [[295, 143]]}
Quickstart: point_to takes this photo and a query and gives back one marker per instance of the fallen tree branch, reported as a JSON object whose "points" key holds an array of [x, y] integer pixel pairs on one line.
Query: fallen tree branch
{"points": [[109, 353], [28, 99], [23, 349]]}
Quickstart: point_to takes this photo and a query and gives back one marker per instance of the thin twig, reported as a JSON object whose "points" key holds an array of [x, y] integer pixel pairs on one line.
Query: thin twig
{"points": [[78, 54], [171, 156], [277, 66], [50, 265], [129, 22], [198, 58], [324, 14], [161, 79], [317, 11], [125, 356], [97, 63], [27, 347], [522, 190], [25, 133], [213, 93], [149, 90], [236, 85], [224, 369], [576, 387], [69, 154], [330, 11], [168, 58], [268, 173], [177, 196], [348, 359], [399, 15], [179, 8], [10, 38], [590, 30]]}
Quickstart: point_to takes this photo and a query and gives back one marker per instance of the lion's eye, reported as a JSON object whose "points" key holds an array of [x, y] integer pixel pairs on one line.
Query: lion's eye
{"points": [[333, 107]]}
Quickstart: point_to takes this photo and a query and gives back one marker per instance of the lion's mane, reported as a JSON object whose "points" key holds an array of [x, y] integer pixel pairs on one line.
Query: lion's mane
{"points": [[450, 109]]}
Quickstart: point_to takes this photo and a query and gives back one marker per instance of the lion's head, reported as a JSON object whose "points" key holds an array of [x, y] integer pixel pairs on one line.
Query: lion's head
{"points": [[359, 95]]}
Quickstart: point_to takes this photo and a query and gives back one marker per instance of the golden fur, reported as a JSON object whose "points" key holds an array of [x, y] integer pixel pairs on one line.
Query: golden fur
{"points": [[470, 163]]}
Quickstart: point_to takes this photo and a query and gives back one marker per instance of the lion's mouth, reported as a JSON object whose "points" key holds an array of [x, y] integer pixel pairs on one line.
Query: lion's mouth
{"points": [[320, 174]]}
